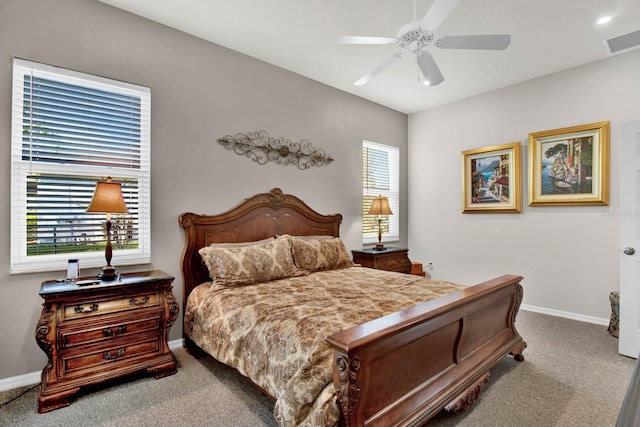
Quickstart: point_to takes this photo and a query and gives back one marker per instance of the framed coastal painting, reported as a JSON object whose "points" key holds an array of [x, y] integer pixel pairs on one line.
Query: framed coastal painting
{"points": [[492, 179], [570, 166]]}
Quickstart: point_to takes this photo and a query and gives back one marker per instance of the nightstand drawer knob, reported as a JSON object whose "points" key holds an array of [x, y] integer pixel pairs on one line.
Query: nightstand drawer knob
{"points": [[110, 332], [109, 356], [90, 309], [136, 301]]}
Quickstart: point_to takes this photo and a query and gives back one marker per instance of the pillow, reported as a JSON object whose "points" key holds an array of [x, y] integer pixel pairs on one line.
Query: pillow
{"points": [[313, 237], [239, 244], [246, 265], [315, 255]]}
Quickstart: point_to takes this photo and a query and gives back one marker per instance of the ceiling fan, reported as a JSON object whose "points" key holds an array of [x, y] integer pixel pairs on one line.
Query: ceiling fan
{"points": [[415, 37]]}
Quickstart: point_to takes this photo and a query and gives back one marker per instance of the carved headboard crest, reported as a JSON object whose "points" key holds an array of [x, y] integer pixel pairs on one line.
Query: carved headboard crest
{"points": [[276, 198]]}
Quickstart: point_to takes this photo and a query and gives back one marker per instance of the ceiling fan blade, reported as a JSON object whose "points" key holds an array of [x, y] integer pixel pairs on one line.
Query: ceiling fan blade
{"points": [[366, 40], [437, 13], [430, 69], [371, 74], [492, 42]]}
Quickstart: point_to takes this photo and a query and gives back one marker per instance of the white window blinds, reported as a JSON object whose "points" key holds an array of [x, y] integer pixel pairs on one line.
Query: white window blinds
{"points": [[70, 130], [380, 177]]}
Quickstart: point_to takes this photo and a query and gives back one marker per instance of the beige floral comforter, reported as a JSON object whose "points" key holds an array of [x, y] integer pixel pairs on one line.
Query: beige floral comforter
{"points": [[274, 332]]}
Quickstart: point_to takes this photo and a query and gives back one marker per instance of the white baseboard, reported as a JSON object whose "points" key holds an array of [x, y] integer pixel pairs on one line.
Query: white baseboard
{"points": [[33, 378], [25, 380], [566, 315], [180, 343]]}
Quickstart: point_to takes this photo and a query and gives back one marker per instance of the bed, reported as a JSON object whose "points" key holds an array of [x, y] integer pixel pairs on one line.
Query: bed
{"points": [[398, 368]]}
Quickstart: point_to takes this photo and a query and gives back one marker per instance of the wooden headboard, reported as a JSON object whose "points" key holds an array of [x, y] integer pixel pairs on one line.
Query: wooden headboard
{"points": [[259, 217]]}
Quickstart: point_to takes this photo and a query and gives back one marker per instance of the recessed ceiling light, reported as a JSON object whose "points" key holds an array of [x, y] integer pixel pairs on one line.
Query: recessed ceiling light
{"points": [[603, 20]]}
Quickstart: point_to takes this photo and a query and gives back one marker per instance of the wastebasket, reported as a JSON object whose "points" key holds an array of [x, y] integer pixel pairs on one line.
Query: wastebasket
{"points": [[614, 298]]}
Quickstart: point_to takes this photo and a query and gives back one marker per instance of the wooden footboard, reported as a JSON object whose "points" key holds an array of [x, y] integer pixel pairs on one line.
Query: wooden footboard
{"points": [[403, 368]]}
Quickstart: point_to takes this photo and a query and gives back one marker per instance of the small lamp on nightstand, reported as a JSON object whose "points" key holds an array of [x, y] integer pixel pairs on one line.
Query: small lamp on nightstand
{"points": [[379, 207], [108, 199]]}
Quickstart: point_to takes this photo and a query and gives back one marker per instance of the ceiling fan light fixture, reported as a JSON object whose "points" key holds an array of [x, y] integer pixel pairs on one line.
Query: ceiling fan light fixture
{"points": [[417, 36]]}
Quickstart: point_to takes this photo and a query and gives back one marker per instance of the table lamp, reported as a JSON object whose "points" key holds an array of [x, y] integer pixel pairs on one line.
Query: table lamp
{"points": [[379, 206], [108, 199]]}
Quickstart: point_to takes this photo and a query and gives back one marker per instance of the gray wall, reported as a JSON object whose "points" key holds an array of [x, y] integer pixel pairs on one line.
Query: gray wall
{"points": [[199, 92], [569, 256]]}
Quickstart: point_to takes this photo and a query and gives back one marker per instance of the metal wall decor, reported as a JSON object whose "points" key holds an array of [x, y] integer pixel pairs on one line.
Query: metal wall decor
{"points": [[262, 148]]}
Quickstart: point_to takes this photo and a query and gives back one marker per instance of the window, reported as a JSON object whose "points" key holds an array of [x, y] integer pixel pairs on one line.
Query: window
{"points": [[380, 177], [70, 130]]}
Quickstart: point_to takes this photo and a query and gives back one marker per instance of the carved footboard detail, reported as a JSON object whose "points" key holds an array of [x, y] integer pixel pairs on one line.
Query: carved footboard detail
{"points": [[347, 392], [469, 397], [516, 352], [402, 369]]}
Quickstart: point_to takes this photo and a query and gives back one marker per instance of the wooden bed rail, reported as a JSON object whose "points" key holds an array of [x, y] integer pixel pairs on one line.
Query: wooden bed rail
{"points": [[403, 368]]}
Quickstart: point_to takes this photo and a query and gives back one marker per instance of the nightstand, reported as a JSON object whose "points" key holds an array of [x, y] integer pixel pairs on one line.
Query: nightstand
{"points": [[96, 331], [390, 259]]}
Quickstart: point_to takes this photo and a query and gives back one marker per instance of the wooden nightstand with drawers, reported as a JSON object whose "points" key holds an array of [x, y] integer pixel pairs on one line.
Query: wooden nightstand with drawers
{"points": [[102, 330], [390, 259]]}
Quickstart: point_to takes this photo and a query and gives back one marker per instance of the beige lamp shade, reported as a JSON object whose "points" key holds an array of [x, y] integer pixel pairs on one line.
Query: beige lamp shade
{"points": [[380, 206], [108, 198]]}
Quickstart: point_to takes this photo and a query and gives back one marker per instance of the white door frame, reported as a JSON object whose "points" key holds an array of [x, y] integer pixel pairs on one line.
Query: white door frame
{"points": [[629, 340]]}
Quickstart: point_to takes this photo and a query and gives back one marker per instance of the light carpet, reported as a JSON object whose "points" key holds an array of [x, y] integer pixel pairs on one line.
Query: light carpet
{"points": [[572, 376]]}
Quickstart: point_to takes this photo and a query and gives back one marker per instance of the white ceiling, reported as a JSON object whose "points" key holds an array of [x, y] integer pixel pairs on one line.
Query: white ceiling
{"points": [[300, 35]]}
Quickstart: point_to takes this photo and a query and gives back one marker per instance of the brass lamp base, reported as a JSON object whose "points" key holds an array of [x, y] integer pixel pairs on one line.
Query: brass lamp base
{"points": [[109, 274], [379, 247]]}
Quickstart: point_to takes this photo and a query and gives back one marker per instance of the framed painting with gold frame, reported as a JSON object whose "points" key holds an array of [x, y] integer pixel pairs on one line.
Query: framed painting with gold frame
{"points": [[570, 166], [492, 179]]}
